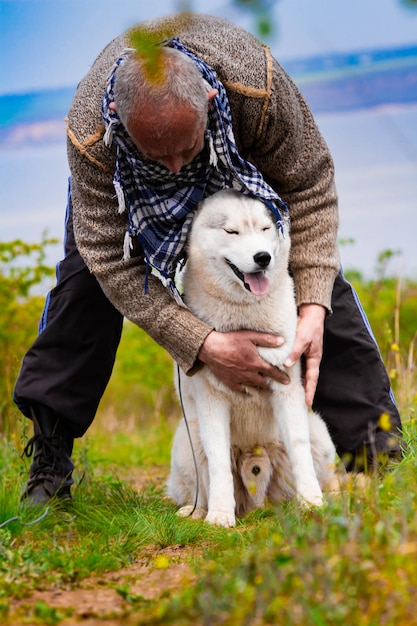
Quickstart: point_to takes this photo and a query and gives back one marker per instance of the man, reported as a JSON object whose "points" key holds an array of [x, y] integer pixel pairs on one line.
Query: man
{"points": [[146, 142]]}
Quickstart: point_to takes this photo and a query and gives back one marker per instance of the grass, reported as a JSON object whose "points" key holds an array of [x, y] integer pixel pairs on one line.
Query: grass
{"points": [[352, 562]]}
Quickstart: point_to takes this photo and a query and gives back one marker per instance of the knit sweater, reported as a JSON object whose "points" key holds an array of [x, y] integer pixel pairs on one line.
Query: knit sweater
{"points": [[274, 129]]}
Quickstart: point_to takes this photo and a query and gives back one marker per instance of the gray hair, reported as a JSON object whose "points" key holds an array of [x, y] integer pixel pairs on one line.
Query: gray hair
{"points": [[182, 83]]}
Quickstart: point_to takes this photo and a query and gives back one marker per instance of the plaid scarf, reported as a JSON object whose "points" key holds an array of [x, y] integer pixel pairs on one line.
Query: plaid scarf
{"points": [[160, 204]]}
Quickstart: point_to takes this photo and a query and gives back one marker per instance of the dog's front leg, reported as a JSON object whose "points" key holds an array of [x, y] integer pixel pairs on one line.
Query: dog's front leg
{"points": [[214, 420], [293, 422]]}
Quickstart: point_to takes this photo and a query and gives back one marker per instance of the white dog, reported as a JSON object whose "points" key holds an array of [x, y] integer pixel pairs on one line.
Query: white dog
{"points": [[260, 444]]}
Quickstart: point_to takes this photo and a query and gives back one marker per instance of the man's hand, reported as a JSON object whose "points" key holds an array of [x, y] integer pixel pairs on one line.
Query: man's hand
{"points": [[235, 360], [309, 341]]}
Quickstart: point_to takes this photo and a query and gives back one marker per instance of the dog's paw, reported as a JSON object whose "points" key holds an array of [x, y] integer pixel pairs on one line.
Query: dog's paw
{"points": [[221, 518], [311, 500], [190, 511]]}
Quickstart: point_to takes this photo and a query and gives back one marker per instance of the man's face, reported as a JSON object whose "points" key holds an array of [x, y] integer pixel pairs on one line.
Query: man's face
{"points": [[174, 147]]}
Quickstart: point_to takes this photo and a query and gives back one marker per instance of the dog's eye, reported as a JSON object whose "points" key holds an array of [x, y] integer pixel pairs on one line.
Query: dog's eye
{"points": [[229, 231], [266, 228]]}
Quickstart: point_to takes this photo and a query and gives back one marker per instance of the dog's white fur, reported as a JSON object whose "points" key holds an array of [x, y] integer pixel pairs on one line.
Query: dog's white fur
{"points": [[263, 443]]}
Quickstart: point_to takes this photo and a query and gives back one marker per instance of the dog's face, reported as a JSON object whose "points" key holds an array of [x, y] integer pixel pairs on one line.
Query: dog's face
{"points": [[239, 236], [255, 469]]}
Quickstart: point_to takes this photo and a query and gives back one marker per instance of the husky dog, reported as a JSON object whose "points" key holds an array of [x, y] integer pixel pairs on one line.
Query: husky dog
{"points": [[265, 443]]}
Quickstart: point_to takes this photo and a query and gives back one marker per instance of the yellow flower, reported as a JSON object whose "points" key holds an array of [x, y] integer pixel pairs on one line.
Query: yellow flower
{"points": [[384, 422], [161, 562], [258, 451]]}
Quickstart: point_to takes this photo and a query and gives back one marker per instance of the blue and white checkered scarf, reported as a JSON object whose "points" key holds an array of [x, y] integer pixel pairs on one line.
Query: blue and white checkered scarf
{"points": [[160, 204]]}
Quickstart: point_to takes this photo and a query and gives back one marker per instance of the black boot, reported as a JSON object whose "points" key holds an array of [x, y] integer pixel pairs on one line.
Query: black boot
{"points": [[51, 469]]}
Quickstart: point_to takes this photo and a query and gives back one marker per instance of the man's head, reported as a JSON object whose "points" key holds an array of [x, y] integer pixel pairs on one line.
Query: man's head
{"points": [[166, 117]]}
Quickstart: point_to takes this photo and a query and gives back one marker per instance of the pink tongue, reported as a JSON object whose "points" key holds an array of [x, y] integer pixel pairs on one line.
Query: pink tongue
{"points": [[258, 283]]}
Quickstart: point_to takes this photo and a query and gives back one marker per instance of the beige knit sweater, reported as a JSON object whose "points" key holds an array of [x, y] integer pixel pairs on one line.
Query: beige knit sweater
{"points": [[274, 129]]}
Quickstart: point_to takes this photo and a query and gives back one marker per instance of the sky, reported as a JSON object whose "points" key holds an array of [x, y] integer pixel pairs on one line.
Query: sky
{"points": [[52, 43]]}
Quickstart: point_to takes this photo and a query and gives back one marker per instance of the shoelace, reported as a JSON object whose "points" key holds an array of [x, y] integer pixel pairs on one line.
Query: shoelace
{"points": [[47, 455]]}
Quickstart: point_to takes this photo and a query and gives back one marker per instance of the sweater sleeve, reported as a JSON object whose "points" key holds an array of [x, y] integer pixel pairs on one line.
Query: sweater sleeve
{"points": [[99, 232], [293, 156]]}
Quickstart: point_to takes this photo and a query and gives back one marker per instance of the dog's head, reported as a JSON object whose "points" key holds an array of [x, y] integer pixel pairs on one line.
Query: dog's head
{"points": [[237, 239], [254, 468]]}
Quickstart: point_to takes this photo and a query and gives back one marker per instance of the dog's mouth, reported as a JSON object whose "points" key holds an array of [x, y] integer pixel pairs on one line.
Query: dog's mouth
{"points": [[255, 282]]}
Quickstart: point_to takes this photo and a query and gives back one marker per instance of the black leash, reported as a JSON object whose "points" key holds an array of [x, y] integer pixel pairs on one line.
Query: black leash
{"points": [[190, 440], [17, 519], [45, 513]]}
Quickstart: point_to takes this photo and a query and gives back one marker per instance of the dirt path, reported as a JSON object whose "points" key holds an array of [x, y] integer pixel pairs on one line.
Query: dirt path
{"points": [[94, 601], [155, 575]]}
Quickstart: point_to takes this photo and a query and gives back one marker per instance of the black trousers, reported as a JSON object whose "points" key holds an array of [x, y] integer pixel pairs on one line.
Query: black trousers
{"points": [[70, 363], [354, 390]]}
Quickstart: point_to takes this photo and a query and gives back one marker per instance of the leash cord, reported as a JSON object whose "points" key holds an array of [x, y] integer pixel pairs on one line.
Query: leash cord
{"points": [[45, 513], [190, 440], [17, 519]]}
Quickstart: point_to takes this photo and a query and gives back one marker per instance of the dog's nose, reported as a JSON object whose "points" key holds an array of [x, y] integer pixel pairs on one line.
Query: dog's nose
{"points": [[263, 259]]}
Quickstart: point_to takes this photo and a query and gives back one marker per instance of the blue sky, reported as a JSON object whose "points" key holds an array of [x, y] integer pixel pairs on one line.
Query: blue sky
{"points": [[51, 43]]}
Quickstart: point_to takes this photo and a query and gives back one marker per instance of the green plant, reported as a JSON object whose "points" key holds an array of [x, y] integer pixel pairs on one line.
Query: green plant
{"points": [[351, 562], [22, 268], [354, 561], [141, 387], [390, 304]]}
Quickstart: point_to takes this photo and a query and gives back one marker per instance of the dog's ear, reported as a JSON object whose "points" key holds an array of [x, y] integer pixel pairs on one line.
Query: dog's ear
{"points": [[235, 455], [282, 485], [243, 503]]}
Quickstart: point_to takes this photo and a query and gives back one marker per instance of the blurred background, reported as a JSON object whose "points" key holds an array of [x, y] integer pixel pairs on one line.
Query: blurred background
{"points": [[355, 62]]}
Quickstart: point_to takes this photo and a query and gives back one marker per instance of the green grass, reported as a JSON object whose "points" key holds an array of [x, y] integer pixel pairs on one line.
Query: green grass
{"points": [[354, 561]]}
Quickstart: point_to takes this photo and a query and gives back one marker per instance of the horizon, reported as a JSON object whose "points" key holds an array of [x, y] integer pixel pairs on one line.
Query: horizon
{"points": [[329, 82], [373, 140]]}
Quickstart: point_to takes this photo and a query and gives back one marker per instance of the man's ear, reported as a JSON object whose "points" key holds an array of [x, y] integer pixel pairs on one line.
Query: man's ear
{"points": [[211, 95], [113, 107]]}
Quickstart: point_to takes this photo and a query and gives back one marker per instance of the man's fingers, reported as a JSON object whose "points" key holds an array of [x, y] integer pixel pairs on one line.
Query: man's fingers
{"points": [[235, 360], [310, 391], [298, 350], [235, 378], [265, 340], [310, 388], [311, 379], [270, 372], [279, 376], [293, 358]]}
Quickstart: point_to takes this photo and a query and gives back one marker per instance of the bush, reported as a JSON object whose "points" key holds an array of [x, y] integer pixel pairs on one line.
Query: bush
{"points": [[22, 267], [141, 390], [390, 305]]}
